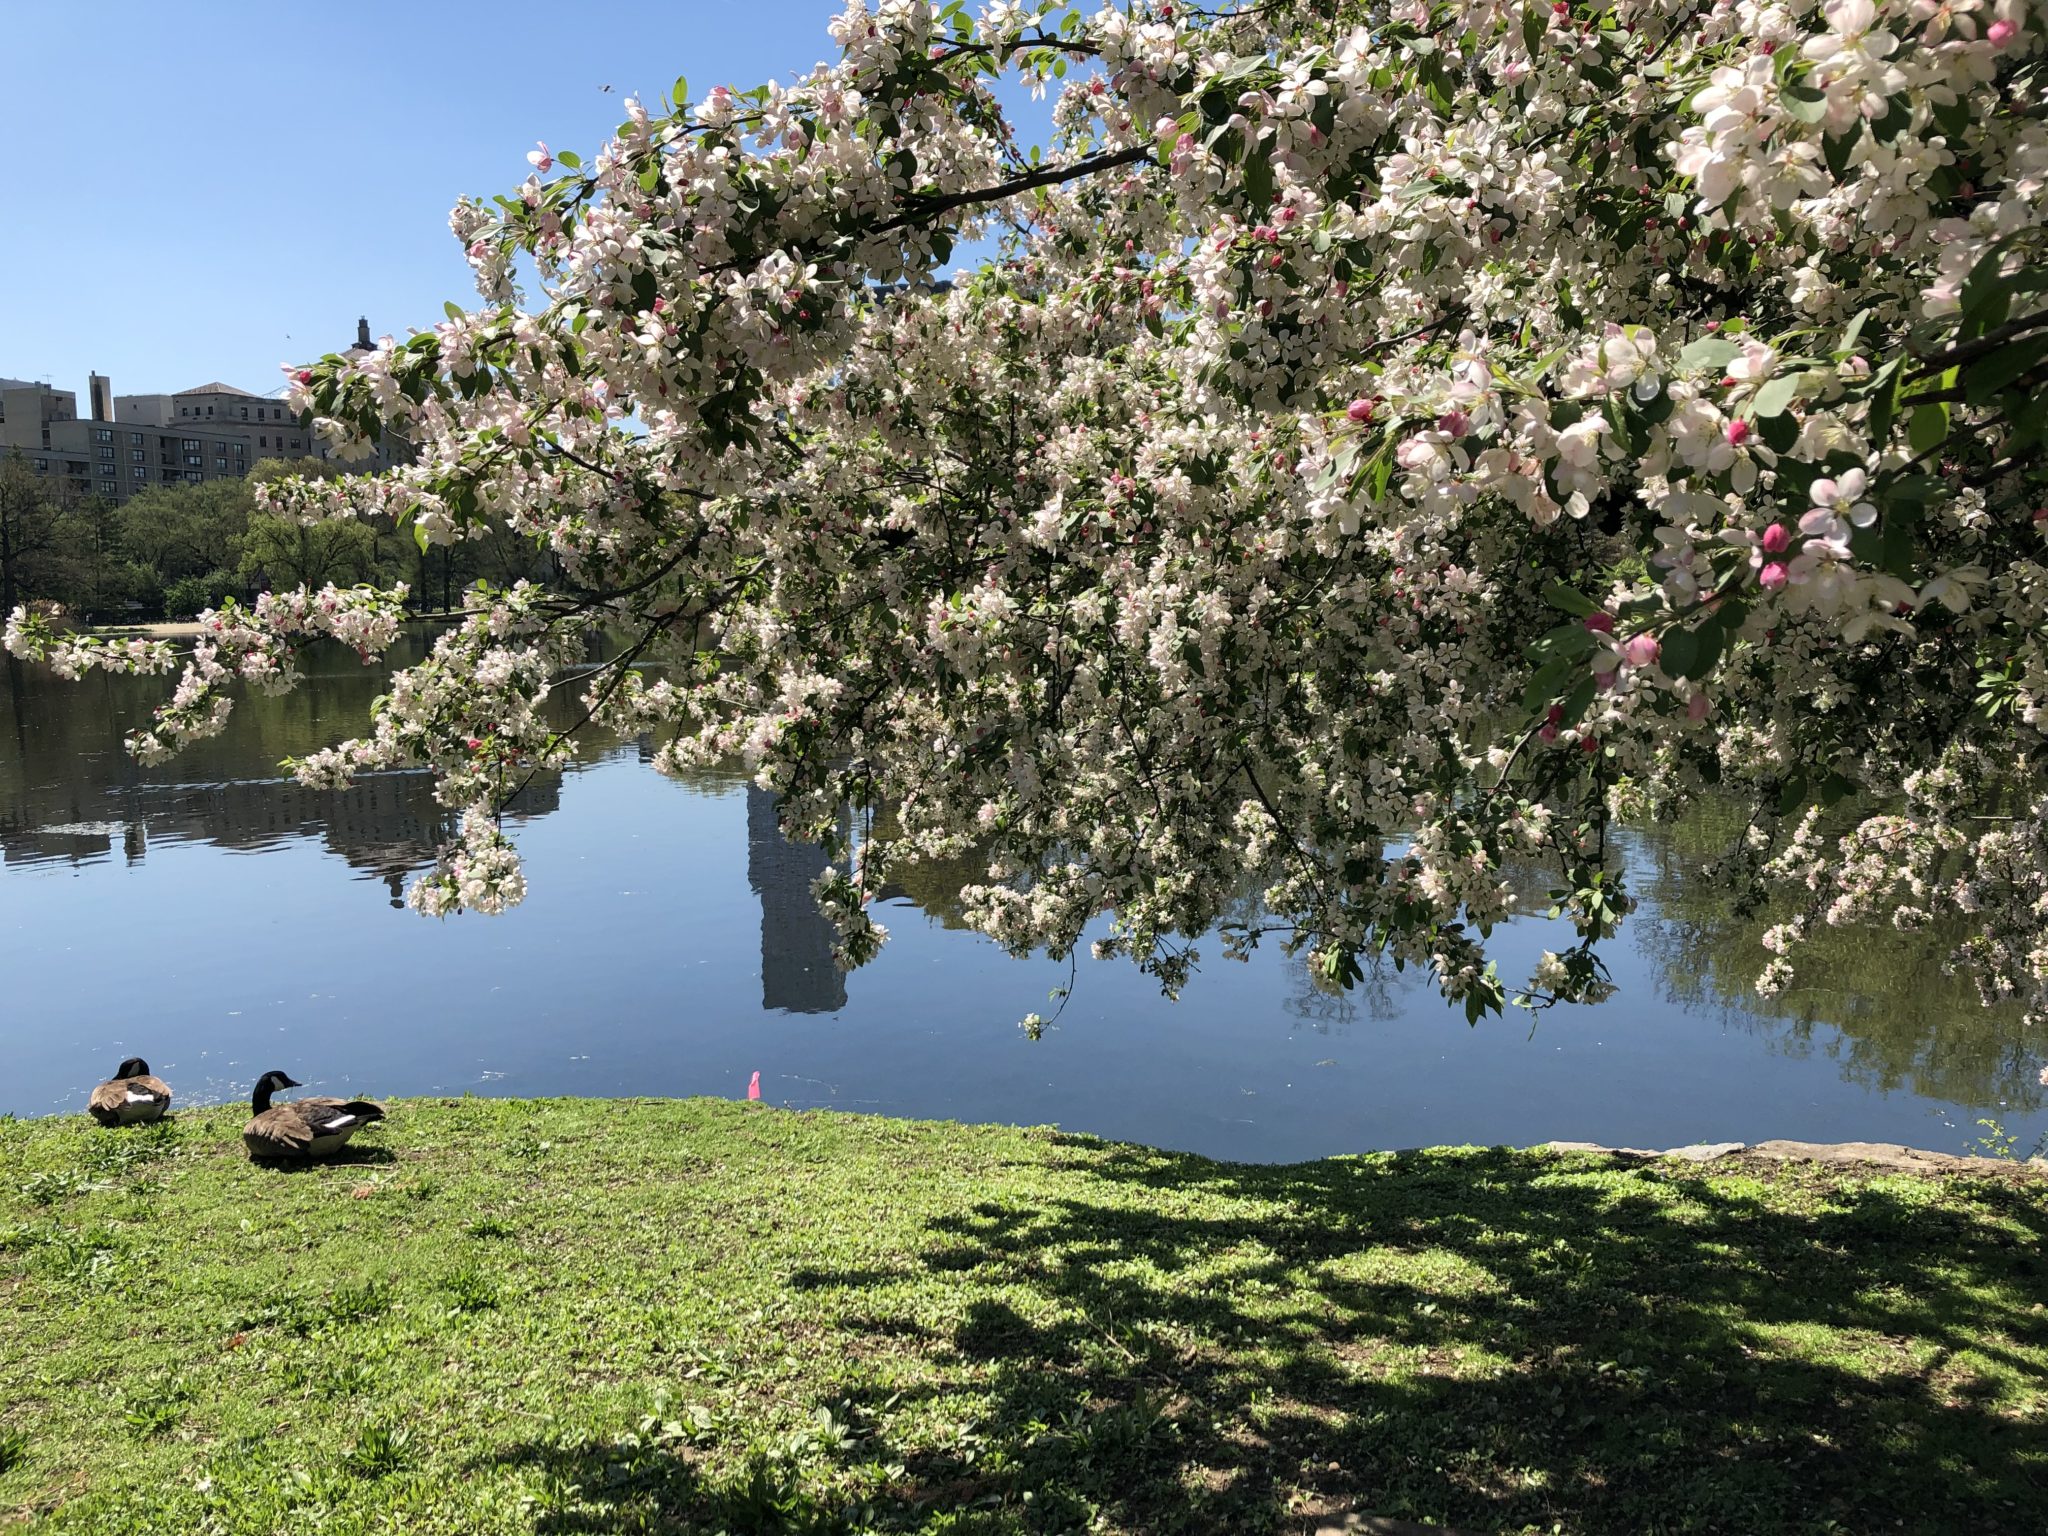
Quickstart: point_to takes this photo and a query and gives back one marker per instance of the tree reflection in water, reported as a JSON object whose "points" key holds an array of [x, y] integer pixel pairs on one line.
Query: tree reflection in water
{"points": [[1877, 1003]]}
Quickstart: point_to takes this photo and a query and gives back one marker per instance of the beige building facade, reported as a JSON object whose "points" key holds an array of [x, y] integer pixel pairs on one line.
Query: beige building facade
{"points": [[129, 442]]}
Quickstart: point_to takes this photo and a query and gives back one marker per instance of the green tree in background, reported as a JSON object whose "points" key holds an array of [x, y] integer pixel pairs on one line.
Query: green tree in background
{"points": [[33, 512]]}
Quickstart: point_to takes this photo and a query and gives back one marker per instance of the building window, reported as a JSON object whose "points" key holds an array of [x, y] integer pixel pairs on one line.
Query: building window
{"points": [[191, 444], [42, 466], [135, 438], [194, 460], [220, 462], [262, 442], [102, 435], [105, 451], [209, 410], [135, 455], [141, 473], [192, 475]]}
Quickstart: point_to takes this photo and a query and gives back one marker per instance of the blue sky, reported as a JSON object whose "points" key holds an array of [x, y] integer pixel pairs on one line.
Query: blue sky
{"points": [[208, 193]]}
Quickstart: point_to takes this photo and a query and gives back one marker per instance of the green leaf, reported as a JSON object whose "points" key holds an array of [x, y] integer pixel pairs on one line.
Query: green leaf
{"points": [[1779, 432], [1258, 179], [1928, 429], [1792, 795], [1692, 653], [1709, 354], [1570, 641], [570, 158], [1884, 398], [1982, 285], [1533, 27], [1776, 392], [1578, 701], [1835, 147], [1851, 333], [1545, 681], [681, 91], [1558, 595], [1895, 121], [1989, 374], [1803, 103]]}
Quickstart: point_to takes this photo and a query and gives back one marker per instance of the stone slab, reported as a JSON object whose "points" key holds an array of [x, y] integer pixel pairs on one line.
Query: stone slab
{"points": [[1381, 1525], [1844, 1154]]}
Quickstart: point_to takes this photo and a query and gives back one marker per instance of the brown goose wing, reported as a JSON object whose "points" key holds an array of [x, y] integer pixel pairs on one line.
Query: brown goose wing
{"points": [[152, 1085], [107, 1102], [278, 1132]]}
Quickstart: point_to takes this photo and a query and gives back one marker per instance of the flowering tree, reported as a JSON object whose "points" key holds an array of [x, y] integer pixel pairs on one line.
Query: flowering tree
{"points": [[1390, 442]]}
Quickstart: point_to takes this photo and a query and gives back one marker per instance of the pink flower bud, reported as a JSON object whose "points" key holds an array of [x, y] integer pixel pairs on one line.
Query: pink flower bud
{"points": [[1773, 576], [1777, 539], [1696, 707], [1604, 680], [1556, 713], [2000, 33], [1588, 745], [1547, 735], [1457, 423], [1600, 623], [304, 375], [1361, 410], [1738, 432], [1640, 650]]}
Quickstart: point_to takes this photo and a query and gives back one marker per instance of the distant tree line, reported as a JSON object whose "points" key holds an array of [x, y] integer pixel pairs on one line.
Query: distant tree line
{"points": [[173, 550]]}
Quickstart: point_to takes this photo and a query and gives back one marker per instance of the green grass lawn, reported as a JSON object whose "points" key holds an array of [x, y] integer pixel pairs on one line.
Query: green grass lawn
{"points": [[558, 1316]]}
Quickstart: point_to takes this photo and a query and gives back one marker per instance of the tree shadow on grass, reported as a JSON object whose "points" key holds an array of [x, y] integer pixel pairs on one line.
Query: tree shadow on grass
{"points": [[1150, 1342], [1494, 1343]]}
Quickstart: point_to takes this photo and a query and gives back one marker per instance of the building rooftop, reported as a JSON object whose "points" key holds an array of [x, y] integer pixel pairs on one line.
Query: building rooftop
{"points": [[218, 388]]}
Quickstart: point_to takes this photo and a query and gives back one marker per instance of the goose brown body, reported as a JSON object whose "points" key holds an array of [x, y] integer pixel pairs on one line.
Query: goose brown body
{"points": [[132, 1096], [303, 1128]]}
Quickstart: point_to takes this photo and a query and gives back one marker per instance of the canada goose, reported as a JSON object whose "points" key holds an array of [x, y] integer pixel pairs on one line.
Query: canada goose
{"points": [[130, 1097], [304, 1127]]}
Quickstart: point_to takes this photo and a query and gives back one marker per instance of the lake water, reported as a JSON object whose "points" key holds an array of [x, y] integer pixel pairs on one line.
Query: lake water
{"points": [[219, 920]]}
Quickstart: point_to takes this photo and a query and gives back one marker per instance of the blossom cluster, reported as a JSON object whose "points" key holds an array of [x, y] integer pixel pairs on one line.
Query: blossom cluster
{"points": [[1386, 448]]}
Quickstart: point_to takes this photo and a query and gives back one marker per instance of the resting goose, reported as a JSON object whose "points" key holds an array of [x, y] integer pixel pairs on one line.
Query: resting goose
{"points": [[304, 1127], [130, 1097]]}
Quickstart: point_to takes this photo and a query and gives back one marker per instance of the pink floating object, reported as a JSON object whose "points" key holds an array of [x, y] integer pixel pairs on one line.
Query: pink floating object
{"points": [[754, 1086]]}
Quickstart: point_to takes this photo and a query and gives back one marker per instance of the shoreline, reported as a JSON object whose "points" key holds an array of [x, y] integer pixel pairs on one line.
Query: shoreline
{"points": [[1887, 1156]]}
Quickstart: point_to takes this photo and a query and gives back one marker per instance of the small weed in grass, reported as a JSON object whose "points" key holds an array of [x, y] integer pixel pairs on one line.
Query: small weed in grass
{"points": [[471, 1288], [379, 1451], [148, 1419], [13, 1449], [154, 1406], [359, 1303], [490, 1227]]}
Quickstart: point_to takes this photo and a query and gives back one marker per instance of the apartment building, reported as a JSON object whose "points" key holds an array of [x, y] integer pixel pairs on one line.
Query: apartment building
{"points": [[208, 432], [110, 459]]}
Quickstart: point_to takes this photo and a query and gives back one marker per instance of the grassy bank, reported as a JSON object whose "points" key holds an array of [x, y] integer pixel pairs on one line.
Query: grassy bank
{"points": [[576, 1316]]}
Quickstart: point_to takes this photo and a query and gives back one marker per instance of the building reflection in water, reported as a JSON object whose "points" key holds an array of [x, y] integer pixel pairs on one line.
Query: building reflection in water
{"points": [[798, 973], [69, 794]]}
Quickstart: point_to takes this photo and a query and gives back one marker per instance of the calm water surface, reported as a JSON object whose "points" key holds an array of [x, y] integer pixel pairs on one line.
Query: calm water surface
{"points": [[214, 917]]}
